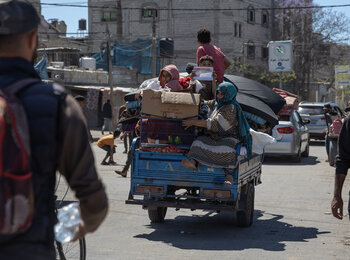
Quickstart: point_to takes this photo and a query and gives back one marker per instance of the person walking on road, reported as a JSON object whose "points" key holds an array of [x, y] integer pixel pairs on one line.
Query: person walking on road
{"points": [[58, 136], [327, 114], [341, 169], [107, 117]]}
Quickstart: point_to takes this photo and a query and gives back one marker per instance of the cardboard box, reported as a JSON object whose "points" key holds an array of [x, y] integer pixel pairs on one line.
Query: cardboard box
{"points": [[170, 104]]}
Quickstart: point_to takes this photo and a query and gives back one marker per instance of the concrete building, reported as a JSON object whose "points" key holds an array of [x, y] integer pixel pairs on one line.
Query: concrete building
{"points": [[241, 29]]}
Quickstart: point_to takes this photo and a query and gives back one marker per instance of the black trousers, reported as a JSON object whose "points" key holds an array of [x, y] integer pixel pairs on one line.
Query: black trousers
{"points": [[130, 154]]}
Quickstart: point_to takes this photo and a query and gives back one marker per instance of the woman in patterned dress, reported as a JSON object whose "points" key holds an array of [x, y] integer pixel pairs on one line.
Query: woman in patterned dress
{"points": [[227, 127]]}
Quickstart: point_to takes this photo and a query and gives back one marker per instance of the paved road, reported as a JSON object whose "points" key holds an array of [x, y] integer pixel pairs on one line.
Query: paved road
{"points": [[291, 220]]}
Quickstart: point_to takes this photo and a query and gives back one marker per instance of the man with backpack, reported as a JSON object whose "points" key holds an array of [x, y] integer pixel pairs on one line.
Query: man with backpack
{"points": [[49, 135]]}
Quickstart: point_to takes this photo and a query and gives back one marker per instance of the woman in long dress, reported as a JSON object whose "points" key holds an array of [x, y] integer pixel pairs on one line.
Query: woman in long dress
{"points": [[227, 127]]}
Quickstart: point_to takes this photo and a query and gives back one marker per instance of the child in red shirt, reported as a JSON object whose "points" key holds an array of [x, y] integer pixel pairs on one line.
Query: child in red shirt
{"points": [[221, 63]]}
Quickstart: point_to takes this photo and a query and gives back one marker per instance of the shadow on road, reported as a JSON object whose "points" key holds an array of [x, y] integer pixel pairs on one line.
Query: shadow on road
{"points": [[317, 143], [218, 232], [284, 160]]}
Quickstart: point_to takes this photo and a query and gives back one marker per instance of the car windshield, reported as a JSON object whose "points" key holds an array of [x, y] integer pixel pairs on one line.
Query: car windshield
{"points": [[312, 110]]}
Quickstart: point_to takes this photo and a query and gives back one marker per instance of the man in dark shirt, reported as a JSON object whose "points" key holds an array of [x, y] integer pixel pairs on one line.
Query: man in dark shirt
{"points": [[58, 139], [107, 117], [342, 166]]}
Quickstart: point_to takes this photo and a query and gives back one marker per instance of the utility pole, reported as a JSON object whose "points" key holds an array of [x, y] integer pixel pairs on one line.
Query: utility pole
{"points": [[110, 75], [154, 44], [281, 84], [119, 21]]}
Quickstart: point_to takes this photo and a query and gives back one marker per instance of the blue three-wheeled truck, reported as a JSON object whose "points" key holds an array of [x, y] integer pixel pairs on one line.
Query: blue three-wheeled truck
{"points": [[159, 181]]}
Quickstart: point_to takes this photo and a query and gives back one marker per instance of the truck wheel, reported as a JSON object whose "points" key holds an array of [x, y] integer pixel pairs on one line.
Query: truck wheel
{"points": [[245, 217], [157, 214]]}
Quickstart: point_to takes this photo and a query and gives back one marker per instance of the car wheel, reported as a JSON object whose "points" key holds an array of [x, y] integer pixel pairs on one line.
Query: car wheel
{"points": [[297, 157], [307, 148]]}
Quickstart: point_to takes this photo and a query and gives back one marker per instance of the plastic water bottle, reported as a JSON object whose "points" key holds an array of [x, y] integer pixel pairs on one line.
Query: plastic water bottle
{"points": [[68, 222]]}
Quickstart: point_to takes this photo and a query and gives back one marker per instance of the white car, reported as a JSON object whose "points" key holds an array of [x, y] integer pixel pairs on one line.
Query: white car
{"points": [[292, 137]]}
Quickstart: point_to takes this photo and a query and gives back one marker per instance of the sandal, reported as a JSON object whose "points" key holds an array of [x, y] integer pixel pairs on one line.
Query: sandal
{"points": [[229, 179], [189, 164], [121, 173]]}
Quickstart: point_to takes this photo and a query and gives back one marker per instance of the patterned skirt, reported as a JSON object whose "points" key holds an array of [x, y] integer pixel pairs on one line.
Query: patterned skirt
{"points": [[219, 153]]}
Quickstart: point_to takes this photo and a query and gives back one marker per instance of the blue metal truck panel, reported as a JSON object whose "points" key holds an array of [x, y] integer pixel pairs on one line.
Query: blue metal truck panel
{"points": [[164, 170]]}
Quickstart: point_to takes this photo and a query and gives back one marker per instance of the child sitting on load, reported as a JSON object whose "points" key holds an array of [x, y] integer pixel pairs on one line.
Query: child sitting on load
{"points": [[204, 87], [168, 79]]}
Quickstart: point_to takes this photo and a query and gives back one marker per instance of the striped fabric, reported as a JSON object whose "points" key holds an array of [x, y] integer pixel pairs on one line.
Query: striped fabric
{"points": [[219, 148]]}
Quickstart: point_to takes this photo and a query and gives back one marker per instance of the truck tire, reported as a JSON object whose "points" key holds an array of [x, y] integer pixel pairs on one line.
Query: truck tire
{"points": [[157, 214], [245, 216]]}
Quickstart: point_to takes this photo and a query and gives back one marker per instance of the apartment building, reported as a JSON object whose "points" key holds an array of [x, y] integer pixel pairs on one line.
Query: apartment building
{"points": [[241, 28]]}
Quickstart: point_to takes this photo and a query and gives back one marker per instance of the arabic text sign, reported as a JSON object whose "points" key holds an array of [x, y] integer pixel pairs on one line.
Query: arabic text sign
{"points": [[342, 75], [280, 56]]}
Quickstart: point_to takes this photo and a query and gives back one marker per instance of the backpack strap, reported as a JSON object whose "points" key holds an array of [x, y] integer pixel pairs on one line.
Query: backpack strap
{"points": [[20, 85]]}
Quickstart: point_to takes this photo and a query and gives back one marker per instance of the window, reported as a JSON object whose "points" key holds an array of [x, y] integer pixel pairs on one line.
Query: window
{"points": [[265, 18], [236, 31], [251, 14], [310, 110], [250, 50], [109, 16], [264, 53], [148, 13]]}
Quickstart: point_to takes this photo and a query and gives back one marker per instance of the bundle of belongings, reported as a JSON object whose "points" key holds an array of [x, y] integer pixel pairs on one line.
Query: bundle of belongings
{"points": [[162, 115], [292, 102], [129, 113], [257, 123]]}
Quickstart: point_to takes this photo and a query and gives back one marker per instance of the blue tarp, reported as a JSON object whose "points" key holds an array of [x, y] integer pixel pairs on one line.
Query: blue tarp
{"points": [[40, 67], [136, 54]]}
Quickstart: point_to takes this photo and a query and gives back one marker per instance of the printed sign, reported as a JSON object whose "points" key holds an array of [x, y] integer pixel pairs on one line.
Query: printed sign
{"points": [[342, 76], [280, 56], [203, 73]]}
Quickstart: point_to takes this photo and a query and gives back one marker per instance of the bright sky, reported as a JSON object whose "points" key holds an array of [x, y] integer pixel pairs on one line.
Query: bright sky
{"points": [[71, 15], [345, 10]]}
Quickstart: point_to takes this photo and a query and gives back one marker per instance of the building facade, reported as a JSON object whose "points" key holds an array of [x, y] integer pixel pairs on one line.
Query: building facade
{"points": [[241, 29]]}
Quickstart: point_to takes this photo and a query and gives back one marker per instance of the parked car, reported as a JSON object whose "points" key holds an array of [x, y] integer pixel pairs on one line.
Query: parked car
{"points": [[292, 137], [313, 111]]}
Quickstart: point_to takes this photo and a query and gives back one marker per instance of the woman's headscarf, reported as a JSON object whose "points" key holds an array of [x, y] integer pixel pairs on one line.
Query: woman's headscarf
{"points": [[229, 92], [174, 83]]}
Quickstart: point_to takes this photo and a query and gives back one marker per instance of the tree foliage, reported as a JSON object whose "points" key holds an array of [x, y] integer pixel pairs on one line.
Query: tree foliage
{"points": [[316, 34]]}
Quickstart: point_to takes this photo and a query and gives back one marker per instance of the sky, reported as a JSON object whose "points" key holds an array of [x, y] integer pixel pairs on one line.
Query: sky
{"points": [[72, 15]]}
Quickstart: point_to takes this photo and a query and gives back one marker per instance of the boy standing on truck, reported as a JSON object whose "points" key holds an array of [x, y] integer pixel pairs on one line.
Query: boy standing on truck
{"points": [[221, 63]]}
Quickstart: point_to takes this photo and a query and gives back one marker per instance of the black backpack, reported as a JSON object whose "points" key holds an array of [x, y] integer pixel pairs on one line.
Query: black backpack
{"points": [[16, 177]]}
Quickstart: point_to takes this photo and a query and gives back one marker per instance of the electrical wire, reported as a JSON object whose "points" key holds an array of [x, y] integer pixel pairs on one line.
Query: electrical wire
{"points": [[200, 9]]}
